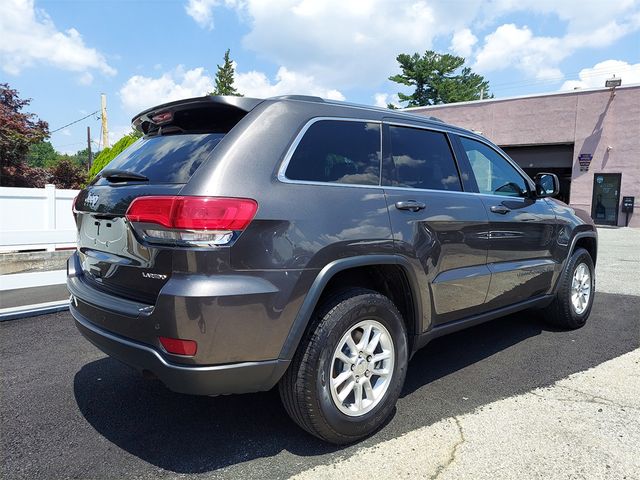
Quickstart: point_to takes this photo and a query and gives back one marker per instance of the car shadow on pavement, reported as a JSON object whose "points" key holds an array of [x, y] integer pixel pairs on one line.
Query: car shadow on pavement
{"points": [[453, 375]]}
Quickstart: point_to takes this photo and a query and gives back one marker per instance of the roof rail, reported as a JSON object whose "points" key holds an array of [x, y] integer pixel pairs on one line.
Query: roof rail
{"points": [[306, 98]]}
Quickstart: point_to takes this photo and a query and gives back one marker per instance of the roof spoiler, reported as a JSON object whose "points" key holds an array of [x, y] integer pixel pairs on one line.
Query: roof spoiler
{"points": [[155, 116]]}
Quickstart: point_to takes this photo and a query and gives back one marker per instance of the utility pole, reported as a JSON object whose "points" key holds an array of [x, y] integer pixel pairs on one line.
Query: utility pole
{"points": [[88, 148], [105, 127], [482, 94]]}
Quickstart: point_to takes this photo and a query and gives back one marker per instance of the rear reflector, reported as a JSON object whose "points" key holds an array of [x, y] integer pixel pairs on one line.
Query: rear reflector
{"points": [[73, 206], [193, 213], [178, 346]]}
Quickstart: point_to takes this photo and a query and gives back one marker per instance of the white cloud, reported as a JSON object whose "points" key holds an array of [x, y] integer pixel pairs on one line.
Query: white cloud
{"points": [[346, 44], [580, 15], [256, 84], [384, 99], [462, 42], [353, 44], [539, 56], [510, 45], [85, 79], [29, 37], [338, 43], [600, 72], [140, 92], [202, 10]]}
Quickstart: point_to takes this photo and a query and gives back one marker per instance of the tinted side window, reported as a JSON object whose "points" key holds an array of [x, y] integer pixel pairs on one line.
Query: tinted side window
{"points": [[421, 159], [493, 173], [338, 151]]}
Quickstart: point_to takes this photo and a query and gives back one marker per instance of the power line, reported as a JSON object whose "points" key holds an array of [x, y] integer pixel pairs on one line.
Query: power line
{"points": [[75, 121]]}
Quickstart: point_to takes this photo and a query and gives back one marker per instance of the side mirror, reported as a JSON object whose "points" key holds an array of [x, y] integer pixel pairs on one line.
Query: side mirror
{"points": [[547, 185]]}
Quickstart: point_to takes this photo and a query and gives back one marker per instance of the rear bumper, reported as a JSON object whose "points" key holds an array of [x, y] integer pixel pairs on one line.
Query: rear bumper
{"points": [[242, 377], [236, 317]]}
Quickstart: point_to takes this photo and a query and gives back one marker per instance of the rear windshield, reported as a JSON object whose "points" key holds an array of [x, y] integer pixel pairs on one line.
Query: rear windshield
{"points": [[166, 159]]}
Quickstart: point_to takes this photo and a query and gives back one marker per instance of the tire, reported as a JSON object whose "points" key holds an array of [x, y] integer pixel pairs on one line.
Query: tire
{"points": [[562, 312], [307, 389]]}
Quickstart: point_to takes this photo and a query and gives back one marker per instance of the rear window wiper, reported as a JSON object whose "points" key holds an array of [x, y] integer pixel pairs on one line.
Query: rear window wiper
{"points": [[123, 176]]}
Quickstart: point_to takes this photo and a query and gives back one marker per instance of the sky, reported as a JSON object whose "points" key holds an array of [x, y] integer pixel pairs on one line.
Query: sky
{"points": [[64, 53]]}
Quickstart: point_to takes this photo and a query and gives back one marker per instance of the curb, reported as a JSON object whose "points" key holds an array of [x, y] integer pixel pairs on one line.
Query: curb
{"points": [[24, 311], [32, 279]]}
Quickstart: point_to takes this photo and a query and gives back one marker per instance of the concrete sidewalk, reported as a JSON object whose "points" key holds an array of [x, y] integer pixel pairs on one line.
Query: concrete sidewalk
{"points": [[33, 293], [31, 281], [585, 426]]}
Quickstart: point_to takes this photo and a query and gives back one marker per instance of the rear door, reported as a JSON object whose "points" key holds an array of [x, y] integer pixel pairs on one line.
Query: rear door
{"points": [[434, 221], [112, 256], [521, 227]]}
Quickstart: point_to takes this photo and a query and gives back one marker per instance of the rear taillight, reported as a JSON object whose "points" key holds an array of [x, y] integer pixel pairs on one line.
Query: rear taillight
{"points": [[178, 346], [191, 221]]}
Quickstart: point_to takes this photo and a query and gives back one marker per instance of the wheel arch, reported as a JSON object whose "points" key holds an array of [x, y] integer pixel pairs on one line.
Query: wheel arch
{"points": [[585, 239], [350, 269], [588, 241]]}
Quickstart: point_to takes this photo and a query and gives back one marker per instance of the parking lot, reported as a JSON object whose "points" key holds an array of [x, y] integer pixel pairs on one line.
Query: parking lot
{"points": [[67, 411]]}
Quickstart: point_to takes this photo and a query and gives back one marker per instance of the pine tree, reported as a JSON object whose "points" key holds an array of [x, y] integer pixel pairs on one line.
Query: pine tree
{"points": [[438, 78], [224, 78]]}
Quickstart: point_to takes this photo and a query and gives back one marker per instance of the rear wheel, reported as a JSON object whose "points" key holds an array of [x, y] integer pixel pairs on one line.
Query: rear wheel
{"points": [[574, 298], [347, 374]]}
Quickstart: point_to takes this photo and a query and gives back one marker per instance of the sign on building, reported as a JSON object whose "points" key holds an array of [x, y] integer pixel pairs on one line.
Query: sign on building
{"points": [[585, 160]]}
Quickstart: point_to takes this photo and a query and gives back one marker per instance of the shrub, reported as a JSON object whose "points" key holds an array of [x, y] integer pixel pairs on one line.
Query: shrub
{"points": [[67, 174], [22, 175], [108, 154]]}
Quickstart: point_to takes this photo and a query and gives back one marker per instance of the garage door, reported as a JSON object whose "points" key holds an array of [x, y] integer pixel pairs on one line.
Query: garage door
{"points": [[542, 156]]}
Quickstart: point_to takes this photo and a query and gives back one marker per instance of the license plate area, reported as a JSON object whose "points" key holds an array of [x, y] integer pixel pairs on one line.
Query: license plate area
{"points": [[108, 235]]}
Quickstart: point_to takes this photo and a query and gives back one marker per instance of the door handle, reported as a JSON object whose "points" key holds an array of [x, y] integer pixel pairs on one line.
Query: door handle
{"points": [[501, 209], [410, 205]]}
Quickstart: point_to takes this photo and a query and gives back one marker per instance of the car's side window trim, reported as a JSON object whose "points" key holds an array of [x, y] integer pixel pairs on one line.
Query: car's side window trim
{"points": [[386, 156], [467, 176], [281, 175], [498, 152], [384, 151]]}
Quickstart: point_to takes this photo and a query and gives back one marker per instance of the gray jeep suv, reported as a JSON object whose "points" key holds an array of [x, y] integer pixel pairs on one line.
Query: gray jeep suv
{"points": [[244, 243]]}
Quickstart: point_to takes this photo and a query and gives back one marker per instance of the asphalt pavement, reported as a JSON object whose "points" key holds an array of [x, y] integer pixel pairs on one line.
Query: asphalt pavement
{"points": [[67, 411]]}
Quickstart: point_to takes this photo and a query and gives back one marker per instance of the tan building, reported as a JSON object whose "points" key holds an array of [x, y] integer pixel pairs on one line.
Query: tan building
{"points": [[589, 138]]}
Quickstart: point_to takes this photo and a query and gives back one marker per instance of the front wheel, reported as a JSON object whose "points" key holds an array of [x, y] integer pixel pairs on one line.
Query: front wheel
{"points": [[347, 374], [574, 298]]}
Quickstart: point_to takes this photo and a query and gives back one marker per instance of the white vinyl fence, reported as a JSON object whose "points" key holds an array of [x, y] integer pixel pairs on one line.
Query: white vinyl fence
{"points": [[36, 218]]}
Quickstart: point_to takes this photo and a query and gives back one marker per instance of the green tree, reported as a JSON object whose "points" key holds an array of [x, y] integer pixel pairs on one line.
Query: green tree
{"points": [[225, 78], [81, 158], [107, 154], [42, 154], [18, 131], [438, 78]]}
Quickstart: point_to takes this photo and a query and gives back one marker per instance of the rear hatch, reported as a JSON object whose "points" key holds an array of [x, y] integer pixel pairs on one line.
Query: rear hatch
{"points": [[179, 138]]}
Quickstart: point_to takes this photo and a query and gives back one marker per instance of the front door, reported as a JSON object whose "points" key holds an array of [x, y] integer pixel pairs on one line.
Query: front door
{"points": [[443, 229], [606, 198], [521, 228]]}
